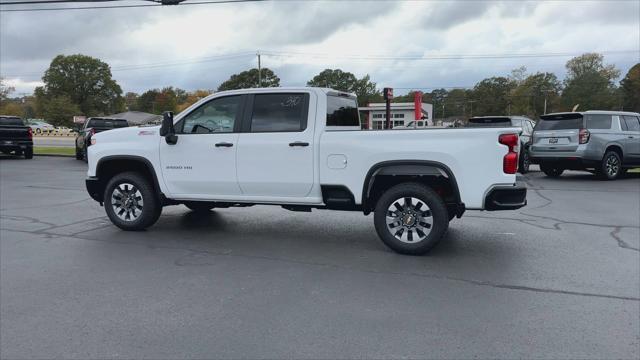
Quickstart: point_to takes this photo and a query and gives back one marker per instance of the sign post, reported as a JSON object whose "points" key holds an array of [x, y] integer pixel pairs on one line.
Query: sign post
{"points": [[388, 95]]}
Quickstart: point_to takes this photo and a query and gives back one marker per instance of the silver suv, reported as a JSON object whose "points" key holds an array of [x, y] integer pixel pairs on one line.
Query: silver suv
{"points": [[606, 142]]}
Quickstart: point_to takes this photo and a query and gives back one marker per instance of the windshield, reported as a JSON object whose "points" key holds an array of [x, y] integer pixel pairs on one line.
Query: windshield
{"points": [[342, 111], [560, 123], [11, 121], [107, 123]]}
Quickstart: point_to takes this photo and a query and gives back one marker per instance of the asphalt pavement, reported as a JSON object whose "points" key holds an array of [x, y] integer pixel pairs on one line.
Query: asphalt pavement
{"points": [[559, 278]]}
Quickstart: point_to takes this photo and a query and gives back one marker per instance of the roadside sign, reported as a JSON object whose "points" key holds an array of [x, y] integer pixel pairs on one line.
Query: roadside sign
{"points": [[79, 119], [388, 93]]}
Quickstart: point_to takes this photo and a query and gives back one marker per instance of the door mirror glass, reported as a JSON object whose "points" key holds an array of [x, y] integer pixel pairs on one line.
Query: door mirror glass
{"points": [[167, 130], [167, 124]]}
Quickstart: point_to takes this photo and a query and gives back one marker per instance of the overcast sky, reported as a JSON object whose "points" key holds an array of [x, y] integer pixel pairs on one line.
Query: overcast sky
{"points": [[199, 46]]}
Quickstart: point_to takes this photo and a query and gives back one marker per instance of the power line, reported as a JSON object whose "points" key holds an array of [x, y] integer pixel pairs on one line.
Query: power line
{"points": [[157, 4], [51, 2], [434, 57]]}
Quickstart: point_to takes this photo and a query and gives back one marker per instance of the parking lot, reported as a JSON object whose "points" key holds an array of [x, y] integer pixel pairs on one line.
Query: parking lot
{"points": [[559, 278]]}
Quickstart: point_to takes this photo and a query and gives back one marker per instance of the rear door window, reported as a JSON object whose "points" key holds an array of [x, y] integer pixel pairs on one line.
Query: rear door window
{"points": [[279, 112], [342, 111], [598, 121], [632, 122]]}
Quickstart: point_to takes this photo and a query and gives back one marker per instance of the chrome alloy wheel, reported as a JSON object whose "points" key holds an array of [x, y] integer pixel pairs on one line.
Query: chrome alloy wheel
{"points": [[127, 202], [612, 165], [409, 220]]}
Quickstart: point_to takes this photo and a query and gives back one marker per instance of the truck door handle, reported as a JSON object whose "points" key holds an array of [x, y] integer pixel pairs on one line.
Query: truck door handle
{"points": [[631, 137], [224, 144], [299, 143]]}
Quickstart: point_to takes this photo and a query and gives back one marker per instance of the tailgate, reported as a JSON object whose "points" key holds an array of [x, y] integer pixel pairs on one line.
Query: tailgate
{"points": [[555, 140], [17, 133]]}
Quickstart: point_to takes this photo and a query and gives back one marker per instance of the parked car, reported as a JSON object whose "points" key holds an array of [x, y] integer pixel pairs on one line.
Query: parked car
{"points": [[40, 127], [605, 142], [521, 122], [414, 124], [91, 127], [15, 137], [64, 131], [301, 148]]}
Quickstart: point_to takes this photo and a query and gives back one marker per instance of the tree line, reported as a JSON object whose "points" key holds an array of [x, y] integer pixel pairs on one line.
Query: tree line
{"points": [[82, 85]]}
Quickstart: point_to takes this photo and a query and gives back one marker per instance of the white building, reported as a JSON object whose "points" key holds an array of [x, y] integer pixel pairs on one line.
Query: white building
{"points": [[402, 114]]}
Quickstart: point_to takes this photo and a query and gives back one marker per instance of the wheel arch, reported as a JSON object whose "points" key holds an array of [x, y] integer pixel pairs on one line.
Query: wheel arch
{"points": [[434, 174], [615, 147], [109, 166]]}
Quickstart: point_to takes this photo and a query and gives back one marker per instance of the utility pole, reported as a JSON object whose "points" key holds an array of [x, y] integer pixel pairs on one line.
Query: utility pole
{"points": [[546, 91], [443, 111], [259, 70], [471, 105]]}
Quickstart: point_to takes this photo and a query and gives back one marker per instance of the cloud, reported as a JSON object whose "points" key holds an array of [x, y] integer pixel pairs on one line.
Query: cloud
{"points": [[189, 37]]}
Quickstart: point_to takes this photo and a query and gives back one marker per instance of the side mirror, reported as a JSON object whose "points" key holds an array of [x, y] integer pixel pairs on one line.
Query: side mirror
{"points": [[167, 130]]}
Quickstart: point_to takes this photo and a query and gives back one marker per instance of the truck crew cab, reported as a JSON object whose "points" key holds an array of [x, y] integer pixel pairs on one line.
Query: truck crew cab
{"points": [[302, 148]]}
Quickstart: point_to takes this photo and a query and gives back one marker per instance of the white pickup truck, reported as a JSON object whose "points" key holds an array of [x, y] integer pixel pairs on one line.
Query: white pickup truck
{"points": [[302, 148]]}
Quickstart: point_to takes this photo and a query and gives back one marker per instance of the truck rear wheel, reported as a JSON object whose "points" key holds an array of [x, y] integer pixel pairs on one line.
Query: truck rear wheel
{"points": [[28, 153], [411, 218], [130, 202]]}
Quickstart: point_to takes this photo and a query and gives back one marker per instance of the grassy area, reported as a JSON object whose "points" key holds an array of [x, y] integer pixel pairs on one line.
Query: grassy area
{"points": [[54, 150]]}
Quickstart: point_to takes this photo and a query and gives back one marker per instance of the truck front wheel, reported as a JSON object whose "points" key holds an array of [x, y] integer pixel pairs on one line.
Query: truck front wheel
{"points": [[411, 218], [130, 202]]}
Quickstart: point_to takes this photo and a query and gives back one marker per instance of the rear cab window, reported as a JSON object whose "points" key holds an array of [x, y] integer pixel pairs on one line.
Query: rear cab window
{"points": [[560, 122], [342, 111], [11, 121], [280, 112]]}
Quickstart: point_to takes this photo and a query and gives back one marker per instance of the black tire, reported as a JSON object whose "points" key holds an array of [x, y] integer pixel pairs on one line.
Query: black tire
{"points": [[134, 187], [525, 162], [407, 223], [78, 154], [28, 153], [611, 166], [199, 206], [551, 171]]}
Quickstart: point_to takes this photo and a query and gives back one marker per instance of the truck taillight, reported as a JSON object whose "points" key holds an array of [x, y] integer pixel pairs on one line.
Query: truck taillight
{"points": [[584, 136], [510, 161], [30, 133]]}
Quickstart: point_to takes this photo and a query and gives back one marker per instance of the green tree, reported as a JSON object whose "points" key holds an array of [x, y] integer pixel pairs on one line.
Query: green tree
{"points": [[157, 101], [85, 82], [630, 89], [337, 79], [590, 83], [57, 110], [146, 101], [249, 79], [5, 90], [528, 98], [492, 96]]}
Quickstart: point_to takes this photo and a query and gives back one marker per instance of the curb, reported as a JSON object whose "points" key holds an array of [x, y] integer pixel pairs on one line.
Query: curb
{"points": [[54, 155]]}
